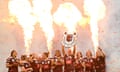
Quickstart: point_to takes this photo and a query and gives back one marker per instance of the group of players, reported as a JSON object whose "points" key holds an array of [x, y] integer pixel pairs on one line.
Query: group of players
{"points": [[71, 61]]}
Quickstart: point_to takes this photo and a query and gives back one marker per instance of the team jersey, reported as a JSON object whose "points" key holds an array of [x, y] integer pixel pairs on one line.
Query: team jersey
{"points": [[78, 65], [35, 64], [46, 65], [100, 64], [69, 63], [12, 61], [89, 64], [26, 65], [58, 64]]}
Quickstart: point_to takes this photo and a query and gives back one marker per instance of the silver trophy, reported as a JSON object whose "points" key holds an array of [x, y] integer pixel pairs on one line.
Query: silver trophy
{"points": [[69, 40]]}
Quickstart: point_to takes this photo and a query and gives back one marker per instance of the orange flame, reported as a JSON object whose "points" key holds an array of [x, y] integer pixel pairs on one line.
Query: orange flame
{"points": [[27, 16], [42, 9], [68, 15], [96, 10], [23, 12]]}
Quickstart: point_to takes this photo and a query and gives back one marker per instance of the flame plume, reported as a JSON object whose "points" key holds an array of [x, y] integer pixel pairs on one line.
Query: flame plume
{"points": [[68, 15], [96, 10], [28, 12], [42, 10], [22, 10]]}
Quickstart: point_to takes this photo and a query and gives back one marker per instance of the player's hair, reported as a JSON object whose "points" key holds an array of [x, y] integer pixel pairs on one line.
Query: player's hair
{"points": [[12, 52]]}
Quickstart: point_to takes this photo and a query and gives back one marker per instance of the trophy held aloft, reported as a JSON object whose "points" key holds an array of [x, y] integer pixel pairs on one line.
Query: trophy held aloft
{"points": [[69, 40]]}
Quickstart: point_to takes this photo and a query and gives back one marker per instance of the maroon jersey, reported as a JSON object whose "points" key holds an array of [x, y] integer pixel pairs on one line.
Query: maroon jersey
{"points": [[35, 64], [46, 65], [69, 63], [26, 64], [58, 64], [12, 61], [100, 64], [89, 64], [78, 65]]}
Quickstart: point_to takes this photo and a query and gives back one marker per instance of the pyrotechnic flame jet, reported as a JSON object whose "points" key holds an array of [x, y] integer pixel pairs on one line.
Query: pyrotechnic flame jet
{"points": [[42, 10], [68, 15], [96, 10], [22, 10]]}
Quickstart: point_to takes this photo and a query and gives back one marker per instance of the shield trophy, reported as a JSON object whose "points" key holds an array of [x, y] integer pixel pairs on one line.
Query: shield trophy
{"points": [[69, 39]]}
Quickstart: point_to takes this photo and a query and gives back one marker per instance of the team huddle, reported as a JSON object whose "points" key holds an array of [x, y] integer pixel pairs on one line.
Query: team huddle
{"points": [[71, 61]]}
